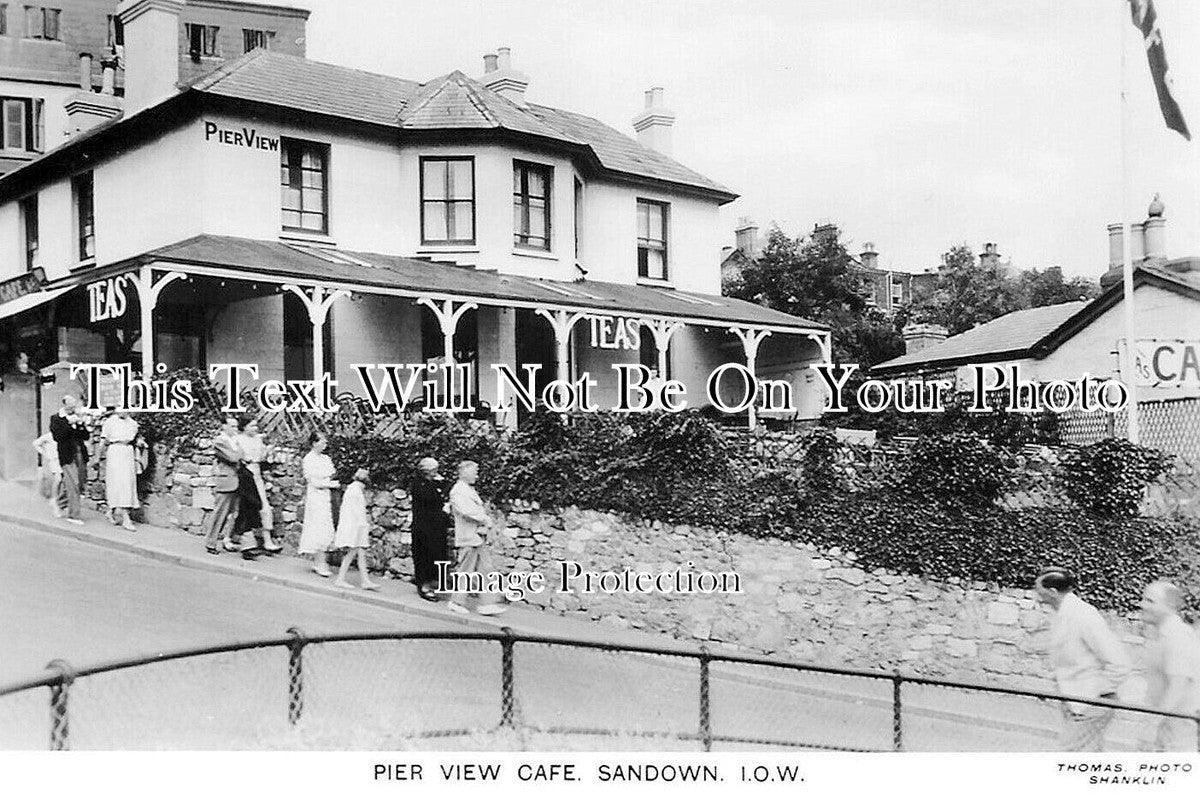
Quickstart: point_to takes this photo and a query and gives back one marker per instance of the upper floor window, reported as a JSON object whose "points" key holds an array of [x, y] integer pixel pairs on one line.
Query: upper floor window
{"points": [[531, 205], [304, 178], [202, 40], [897, 294], [29, 224], [3, 19], [23, 125], [82, 187], [448, 200], [42, 22], [578, 217], [253, 39], [652, 239]]}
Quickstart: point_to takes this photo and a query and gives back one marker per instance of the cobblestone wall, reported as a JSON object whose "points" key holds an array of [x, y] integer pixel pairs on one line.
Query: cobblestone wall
{"points": [[797, 602]]}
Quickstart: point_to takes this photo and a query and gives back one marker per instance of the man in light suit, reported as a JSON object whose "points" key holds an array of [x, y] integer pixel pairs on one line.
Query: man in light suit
{"points": [[225, 488]]}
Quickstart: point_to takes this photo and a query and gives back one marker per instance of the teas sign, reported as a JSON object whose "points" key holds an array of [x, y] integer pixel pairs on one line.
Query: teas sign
{"points": [[1168, 362], [615, 333], [108, 299]]}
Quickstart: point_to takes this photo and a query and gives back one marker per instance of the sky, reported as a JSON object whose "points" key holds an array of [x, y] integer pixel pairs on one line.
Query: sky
{"points": [[915, 125]]}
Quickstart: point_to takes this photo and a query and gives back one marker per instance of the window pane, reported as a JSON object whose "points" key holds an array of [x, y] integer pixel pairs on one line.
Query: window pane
{"points": [[33, 22], [463, 222], [312, 159], [291, 197], [460, 180], [656, 266], [519, 218], [537, 184], [435, 222], [435, 180], [537, 221], [51, 19], [656, 222], [14, 124], [643, 212], [313, 222], [517, 173], [291, 219], [312, 179], [313, 201]]}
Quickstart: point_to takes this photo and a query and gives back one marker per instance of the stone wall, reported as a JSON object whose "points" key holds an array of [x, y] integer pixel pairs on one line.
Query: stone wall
{"points": [[797, 602]]}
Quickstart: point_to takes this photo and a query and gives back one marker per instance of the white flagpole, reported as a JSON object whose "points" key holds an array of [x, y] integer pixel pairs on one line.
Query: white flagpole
{"points": [[1128, 376]]}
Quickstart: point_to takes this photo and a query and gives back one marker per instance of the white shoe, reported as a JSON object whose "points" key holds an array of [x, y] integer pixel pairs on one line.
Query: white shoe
{"points": [[490, 610], [458, 608], [74, 521]]}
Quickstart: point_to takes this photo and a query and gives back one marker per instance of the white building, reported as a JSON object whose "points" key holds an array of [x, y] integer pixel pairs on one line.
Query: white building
{"points": [[450, 210]]}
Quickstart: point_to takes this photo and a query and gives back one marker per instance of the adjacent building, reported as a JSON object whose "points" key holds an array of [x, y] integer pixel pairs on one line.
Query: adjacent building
{"points": [[62, 63], [308, 217]]}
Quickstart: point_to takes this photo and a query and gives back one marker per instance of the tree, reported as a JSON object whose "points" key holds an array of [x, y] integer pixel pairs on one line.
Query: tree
{"points": [[814, 278], [1047, 287], [968, 293]]}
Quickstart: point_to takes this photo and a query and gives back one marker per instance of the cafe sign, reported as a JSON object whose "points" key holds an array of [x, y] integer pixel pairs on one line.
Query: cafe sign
{"points": [[615, 333], [1168, 362], [23, 284], [109, 298]]}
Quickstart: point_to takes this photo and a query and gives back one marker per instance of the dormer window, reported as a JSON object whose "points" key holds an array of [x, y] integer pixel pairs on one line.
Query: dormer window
{"points": [[253, 39]]}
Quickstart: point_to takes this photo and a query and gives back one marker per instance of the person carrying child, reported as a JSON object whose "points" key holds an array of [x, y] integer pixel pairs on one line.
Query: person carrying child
{"points": [[354, 531]]}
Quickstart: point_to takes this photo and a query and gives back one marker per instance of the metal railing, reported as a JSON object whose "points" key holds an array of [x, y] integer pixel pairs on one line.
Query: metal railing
{"points": [[785, 682]]}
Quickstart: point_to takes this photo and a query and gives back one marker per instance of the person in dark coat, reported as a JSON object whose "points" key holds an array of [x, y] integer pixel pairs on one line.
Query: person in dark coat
{"points": [[430, 526], [70, 434]]}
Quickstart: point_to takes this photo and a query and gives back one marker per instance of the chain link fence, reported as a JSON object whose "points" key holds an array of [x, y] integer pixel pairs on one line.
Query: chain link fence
{"points": [[500, 691]]}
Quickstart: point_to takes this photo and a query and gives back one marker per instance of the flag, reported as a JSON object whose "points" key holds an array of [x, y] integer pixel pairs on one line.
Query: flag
{"points": [[1145, 19]]}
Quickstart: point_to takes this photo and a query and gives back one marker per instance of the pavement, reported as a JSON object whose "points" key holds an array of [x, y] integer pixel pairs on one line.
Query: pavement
{"points": [[94, 592]]}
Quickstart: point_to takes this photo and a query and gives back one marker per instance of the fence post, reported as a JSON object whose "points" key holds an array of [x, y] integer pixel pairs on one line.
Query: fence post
{"points": [[897, 730], [296, 674], [705, 699], [506, 678], [59, 692]]}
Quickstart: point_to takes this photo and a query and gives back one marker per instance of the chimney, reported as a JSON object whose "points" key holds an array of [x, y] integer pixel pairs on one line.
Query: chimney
{"points": [[501, 78], [920, 335], [868, 256], [746, 236], [653, 125], [85, 108], [825, 232], [1116, 245], [990, 257], [1154, 231], [151, 51]]}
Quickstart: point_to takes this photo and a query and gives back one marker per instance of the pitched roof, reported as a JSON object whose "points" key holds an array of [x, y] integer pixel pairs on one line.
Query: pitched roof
{"points": [[1011, 333], [417, 275], [453, 101]]}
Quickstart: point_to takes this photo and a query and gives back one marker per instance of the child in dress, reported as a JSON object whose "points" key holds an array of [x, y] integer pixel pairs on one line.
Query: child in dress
{"points": [[51, 470], [354, 531]]}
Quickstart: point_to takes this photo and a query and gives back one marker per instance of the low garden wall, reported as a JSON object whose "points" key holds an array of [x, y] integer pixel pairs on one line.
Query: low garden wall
{"points": [[819, 605]]}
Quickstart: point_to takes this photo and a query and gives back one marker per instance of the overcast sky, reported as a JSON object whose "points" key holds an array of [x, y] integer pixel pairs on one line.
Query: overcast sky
{"points": [[915, 125]]}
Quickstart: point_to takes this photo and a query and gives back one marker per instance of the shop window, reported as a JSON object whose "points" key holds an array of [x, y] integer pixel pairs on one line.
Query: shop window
{"points": [[531, 205], [253, 39], [448, 200], [652, 239], [304, 178], [22, 126], [202, 41], [82, 190], [29, 226], [42, 22]]}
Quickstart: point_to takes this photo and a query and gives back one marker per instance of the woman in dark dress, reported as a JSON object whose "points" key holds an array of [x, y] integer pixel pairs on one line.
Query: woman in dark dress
{"points": [[430, 526]]}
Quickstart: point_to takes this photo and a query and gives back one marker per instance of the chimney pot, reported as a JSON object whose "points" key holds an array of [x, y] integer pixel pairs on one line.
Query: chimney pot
{"points": [[85, 72], [868, 256], [746, 236], [504, 56], [489, 63]]}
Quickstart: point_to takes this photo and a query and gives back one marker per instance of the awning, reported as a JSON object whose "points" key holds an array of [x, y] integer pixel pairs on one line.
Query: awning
{"points": [[256, 260], [28, 301]]}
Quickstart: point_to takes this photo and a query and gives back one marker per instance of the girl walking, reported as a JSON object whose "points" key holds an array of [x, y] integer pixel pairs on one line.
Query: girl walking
{"points": [[354, 531]]}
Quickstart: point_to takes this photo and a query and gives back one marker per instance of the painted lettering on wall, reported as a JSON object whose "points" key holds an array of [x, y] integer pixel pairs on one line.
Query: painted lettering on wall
{"points": [[615, 333], [239, 137], [1168, 362], [107, 299]]}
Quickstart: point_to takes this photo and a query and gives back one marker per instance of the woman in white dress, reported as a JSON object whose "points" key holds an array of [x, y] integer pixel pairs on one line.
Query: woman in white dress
{"points": [[118, 433], [317, 533]]}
